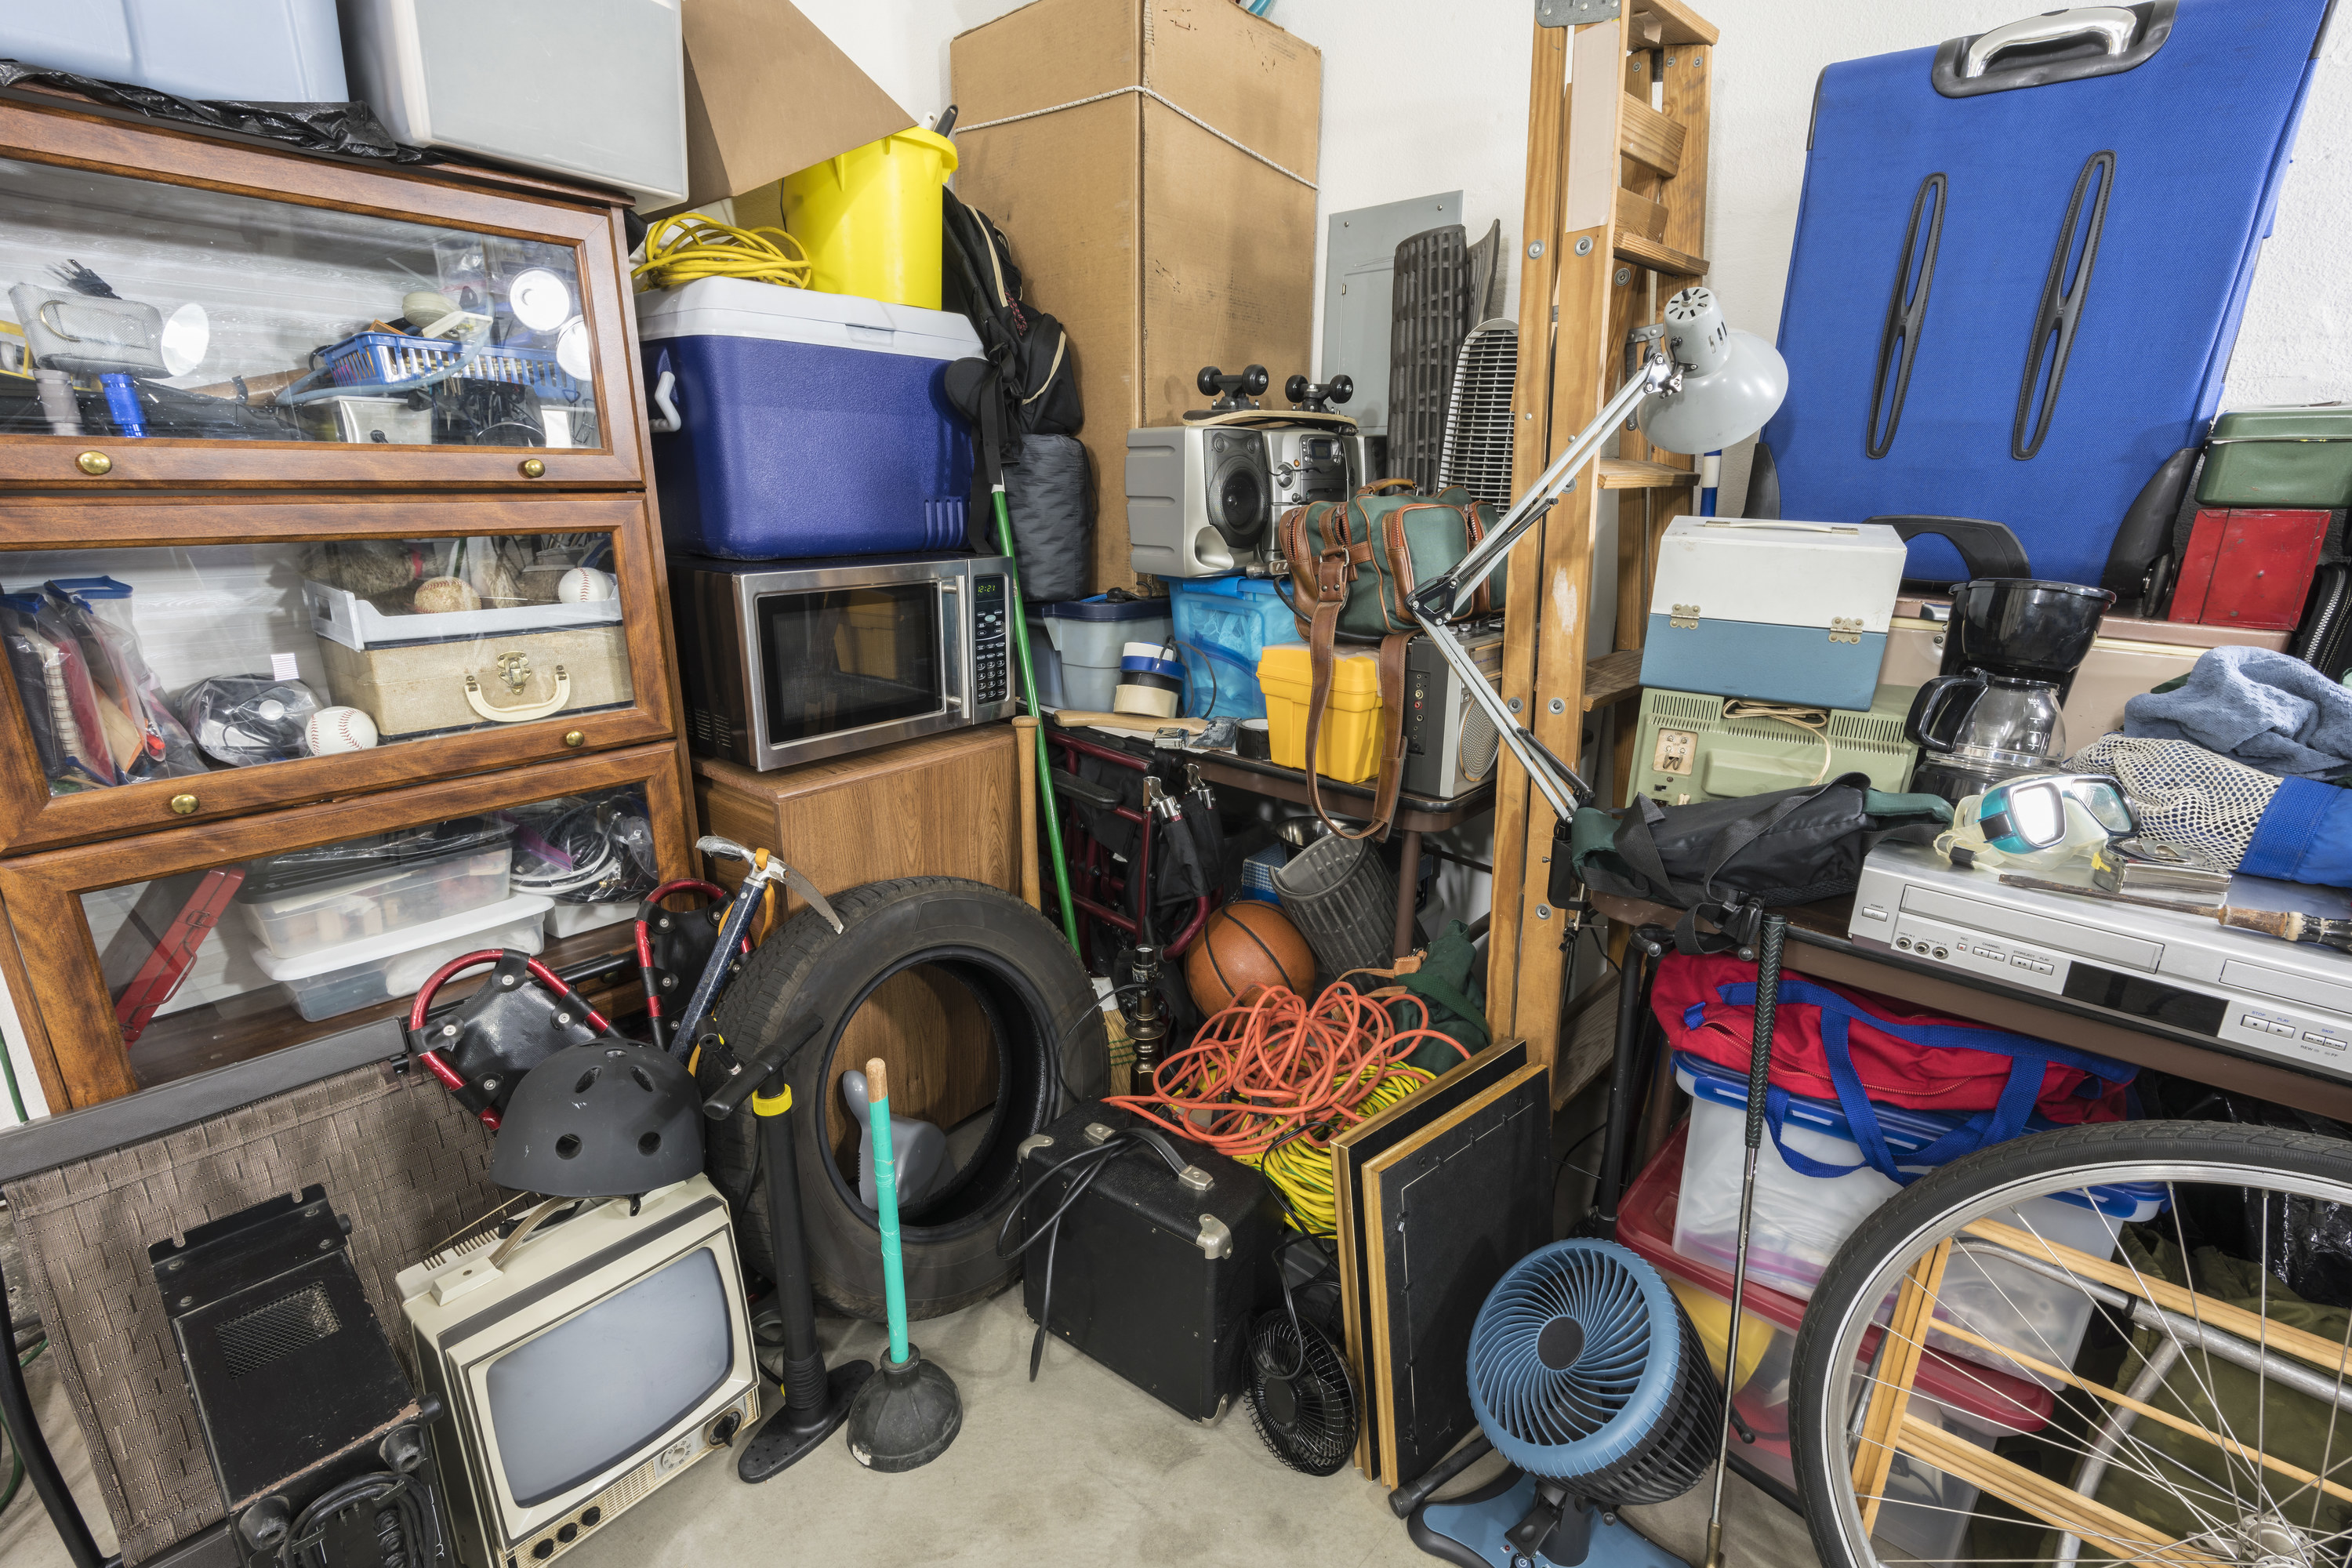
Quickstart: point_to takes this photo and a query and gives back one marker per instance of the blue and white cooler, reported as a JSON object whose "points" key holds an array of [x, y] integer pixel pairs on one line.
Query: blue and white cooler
{"points": [[789, 423], [1772, 612]]}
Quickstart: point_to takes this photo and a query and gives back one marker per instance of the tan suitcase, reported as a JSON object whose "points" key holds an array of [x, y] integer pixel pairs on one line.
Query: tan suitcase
{"points": [[413, 689]]}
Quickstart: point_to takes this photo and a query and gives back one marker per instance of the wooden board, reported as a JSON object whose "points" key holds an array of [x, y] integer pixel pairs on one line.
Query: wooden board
{"points": [[1350, 1151], [1453, 1206]]}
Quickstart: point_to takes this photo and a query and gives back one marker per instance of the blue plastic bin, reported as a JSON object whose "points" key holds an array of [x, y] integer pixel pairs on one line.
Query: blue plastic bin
{"points": [[789, 423], [1222, 623]]}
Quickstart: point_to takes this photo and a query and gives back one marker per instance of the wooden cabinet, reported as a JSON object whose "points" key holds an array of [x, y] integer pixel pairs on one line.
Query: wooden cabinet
{"points": [[279, 434]]}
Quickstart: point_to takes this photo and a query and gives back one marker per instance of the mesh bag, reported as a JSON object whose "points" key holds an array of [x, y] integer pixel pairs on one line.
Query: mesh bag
{"points": [[2185, 797]]}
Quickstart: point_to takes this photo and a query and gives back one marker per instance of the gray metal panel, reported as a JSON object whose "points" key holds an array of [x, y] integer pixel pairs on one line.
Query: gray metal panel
{"points": [[1359, 269]]}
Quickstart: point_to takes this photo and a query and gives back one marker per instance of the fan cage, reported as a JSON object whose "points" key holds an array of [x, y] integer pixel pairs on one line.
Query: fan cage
{"points": [[1330, 1438], [1477, 450], [1628, 1420]]}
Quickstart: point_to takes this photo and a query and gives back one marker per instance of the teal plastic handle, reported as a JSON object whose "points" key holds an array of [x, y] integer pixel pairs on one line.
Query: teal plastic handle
{"points": [[885, 1203]]}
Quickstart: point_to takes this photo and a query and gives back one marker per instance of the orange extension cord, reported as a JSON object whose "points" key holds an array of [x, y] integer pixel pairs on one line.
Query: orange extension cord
{"points": [[1265, 1070]]}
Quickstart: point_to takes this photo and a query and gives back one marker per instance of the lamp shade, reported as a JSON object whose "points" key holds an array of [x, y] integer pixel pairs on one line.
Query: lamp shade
{"points": [[1732, 381]]}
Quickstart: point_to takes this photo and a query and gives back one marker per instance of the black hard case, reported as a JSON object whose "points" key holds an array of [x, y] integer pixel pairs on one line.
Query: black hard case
{"points": [[1142, 1282]]}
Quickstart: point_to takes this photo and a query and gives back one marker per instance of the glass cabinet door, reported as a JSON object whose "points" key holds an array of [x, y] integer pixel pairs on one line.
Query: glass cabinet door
{"points": [[138, 315], [209, 950], [150, 684]]}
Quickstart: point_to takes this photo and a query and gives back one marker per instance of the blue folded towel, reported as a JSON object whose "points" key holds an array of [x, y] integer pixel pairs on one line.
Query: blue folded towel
{"points": [[2267, 710]]}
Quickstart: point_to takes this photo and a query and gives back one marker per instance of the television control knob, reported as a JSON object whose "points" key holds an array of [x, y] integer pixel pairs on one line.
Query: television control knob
{"points": [[568, 1533], [590, 1516], [543, 1550]]}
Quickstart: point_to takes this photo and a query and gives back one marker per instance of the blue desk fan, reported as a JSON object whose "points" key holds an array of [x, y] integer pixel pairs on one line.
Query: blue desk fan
{"points": [[1588, 1376]]}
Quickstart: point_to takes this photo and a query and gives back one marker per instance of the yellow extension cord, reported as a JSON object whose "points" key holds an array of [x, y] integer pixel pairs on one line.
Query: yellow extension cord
{"points": [[690, 246], [1301, 1169]]}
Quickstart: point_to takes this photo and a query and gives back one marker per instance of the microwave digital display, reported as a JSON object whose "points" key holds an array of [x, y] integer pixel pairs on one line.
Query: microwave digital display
{"points": [[845, 658]]}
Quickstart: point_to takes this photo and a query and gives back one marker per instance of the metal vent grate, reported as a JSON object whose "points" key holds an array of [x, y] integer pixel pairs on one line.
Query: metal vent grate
{"points": [[1477, 454], [254, 1339]]}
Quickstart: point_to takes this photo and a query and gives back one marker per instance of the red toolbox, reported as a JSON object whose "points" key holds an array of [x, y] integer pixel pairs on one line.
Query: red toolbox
{"points": [[2249, 566]]}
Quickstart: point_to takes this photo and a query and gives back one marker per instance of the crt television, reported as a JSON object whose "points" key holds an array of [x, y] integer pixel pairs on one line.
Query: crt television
{"points": [[580, 1365]]}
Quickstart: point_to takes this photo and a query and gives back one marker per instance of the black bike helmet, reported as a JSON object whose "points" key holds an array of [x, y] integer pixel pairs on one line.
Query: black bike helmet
{"points": [[608, 1119]]}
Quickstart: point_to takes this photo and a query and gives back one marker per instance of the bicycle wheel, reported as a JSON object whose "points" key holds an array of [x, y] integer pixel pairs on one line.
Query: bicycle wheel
{"points": [[2121, 1369]]}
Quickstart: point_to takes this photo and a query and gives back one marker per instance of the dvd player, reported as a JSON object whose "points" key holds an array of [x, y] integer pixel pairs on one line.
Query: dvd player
{"points": [[2259, 994]]}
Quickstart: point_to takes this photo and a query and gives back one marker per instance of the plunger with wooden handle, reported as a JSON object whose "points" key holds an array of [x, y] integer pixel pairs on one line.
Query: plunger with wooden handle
{"points": [[908, 1411], [1759, 1074]]}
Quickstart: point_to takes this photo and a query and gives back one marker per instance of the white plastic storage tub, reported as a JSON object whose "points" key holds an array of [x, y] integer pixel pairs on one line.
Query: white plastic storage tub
{"points": [[267, 51], [298, 904], [792, 424], [590, 90], [1087, 638], [332, 981], [1800, 1221]]}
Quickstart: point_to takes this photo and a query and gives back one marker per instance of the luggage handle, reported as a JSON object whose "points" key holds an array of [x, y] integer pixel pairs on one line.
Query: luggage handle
{"points": [[2111, 25], [553, 703]]}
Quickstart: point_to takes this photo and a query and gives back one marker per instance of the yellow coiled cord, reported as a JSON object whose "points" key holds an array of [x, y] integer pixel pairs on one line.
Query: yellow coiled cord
{"points": [[1301, 1169], [690, 246]]}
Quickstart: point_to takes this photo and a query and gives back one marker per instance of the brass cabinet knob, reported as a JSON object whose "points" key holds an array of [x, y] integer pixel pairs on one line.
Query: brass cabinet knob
{"points": [[94, 464], [574, 738], [532, 468], [183, 805]]}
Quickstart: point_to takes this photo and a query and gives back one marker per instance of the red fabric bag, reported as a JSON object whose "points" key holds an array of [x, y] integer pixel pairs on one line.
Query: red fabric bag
{"points": [[1836, 1043]]}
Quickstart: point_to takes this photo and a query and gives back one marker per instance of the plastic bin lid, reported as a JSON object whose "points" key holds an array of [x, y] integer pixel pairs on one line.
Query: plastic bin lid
{"points": [[745, 308], [408, 939], [1906, 1131], [1102, 607], [1645, 1224], [357, 857]]}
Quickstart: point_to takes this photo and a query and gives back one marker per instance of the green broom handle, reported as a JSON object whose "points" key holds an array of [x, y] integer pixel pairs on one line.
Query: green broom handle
{"points": [[1029, 699], [886, 1204]]}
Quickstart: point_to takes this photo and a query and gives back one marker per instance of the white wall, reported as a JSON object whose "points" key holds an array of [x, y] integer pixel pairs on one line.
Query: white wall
{"points": [[1421, 97]]}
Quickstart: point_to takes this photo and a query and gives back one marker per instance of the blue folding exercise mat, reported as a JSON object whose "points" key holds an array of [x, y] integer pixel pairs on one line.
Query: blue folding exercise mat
{"points": [[2020, 263]]}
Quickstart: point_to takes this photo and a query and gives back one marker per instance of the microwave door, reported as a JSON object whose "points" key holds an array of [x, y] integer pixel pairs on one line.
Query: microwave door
{"points": [[851, 666]]}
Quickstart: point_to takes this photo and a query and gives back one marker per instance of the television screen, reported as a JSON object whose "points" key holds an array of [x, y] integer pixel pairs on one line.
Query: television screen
{"points": [[597, 1388]]}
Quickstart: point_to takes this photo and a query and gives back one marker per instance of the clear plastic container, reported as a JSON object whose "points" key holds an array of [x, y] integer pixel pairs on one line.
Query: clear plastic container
{"points": [[304, 920], [1800, 1221], [1087, 638], [332, 981], [1926, 1516]]}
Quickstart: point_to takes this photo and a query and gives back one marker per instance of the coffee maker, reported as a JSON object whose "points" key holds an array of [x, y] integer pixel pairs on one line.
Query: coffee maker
{"points": [[2010, 656]]}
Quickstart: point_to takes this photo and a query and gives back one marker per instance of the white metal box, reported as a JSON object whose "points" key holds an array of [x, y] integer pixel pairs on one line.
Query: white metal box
{"points": [[1773, 611]]}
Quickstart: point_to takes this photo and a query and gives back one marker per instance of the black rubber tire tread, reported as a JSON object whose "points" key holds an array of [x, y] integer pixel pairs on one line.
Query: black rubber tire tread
{"points": [[806, 965], [1897, 1222]]}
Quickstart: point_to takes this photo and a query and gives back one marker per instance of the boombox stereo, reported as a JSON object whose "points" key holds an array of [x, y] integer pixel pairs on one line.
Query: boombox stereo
{"points": [[1200, 499], [1450, 744]]}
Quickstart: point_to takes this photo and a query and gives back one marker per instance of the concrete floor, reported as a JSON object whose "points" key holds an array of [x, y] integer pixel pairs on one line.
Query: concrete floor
{"points": [[1077, 1467]]}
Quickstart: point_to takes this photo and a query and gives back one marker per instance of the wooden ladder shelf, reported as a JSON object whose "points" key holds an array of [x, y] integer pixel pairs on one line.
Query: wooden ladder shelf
{"points": [[1614, 223]]}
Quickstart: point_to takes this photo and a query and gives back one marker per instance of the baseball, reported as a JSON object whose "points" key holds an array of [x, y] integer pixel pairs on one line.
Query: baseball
{"points": [[334, 729], [444, 595], [584, 586]]}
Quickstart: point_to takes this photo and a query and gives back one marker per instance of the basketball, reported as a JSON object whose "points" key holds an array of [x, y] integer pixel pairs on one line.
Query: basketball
{"points": [[1242, 947]]}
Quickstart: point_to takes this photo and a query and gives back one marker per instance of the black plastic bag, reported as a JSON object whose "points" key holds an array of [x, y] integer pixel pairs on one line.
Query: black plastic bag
{"points": [[351, 130]]}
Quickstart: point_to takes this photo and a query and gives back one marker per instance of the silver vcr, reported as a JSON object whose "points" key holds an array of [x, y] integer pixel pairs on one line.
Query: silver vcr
{"points": [[2255, 993]]}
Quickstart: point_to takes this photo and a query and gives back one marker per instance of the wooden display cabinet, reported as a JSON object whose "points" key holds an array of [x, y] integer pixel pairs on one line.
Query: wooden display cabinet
{"points": [[75, 1038], [372, 429]]}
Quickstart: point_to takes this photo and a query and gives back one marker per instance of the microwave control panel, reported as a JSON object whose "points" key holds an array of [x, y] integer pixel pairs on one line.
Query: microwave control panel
{"points": [[990, 640]]}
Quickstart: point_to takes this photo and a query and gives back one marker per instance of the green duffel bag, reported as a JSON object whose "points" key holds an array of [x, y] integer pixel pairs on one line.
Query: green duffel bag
{"points": [[1353, 567]]}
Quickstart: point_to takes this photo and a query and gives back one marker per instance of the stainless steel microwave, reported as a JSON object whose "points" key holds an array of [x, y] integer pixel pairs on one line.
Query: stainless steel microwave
{"points": [[787, 662]]}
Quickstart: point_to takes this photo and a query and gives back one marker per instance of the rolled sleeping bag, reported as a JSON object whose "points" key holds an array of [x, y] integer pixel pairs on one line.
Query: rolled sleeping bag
{"points": [[2236, 818]]}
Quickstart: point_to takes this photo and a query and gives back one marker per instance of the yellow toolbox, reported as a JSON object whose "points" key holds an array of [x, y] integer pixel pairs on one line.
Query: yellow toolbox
{"points": [[1349, 748]]}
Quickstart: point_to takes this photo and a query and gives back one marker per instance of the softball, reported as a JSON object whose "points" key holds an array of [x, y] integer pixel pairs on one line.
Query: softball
{"points": [[584, 586], [336, 730]]}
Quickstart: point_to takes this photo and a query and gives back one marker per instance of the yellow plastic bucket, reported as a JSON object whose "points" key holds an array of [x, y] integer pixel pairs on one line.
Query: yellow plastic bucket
{"points": [[869, 217]]}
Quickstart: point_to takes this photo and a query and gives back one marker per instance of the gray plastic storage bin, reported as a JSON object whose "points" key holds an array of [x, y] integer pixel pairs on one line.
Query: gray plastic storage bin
{"points": [[1338, 893], [1088, 636], [589, 89], [269, 52]]}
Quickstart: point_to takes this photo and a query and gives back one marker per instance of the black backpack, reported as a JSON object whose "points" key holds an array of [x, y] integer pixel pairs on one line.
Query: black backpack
{"points": [[1030, 349]]}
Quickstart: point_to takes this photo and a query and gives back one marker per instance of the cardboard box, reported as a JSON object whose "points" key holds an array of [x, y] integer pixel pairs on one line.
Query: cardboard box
{"points": [[767, 95], [1162, 246]]}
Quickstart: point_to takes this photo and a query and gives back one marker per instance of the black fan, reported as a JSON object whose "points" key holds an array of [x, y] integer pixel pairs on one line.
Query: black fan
{"points": [[1300, 1397]]}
